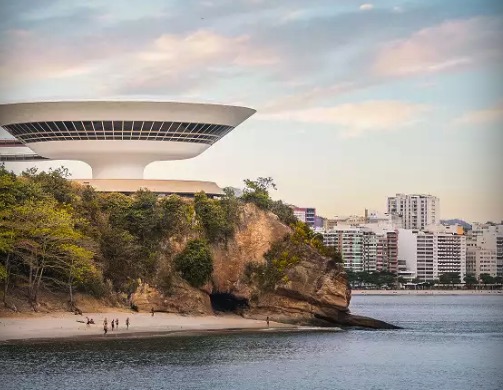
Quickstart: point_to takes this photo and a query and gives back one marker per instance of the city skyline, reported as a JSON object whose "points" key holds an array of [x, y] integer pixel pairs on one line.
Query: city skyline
{"points": [[410, 102]]}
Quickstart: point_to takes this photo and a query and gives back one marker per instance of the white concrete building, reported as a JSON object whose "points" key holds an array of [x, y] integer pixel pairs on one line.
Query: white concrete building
{"points": [[415, 211], [116, 138], [484, 250], [431, 254]]}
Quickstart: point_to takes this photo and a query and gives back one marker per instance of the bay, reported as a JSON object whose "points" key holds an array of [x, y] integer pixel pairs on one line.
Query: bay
{"points": [[447, 342]]}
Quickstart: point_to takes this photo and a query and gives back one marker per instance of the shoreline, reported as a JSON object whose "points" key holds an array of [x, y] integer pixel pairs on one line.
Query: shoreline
{"points": [[427, 292], [30, 329]]}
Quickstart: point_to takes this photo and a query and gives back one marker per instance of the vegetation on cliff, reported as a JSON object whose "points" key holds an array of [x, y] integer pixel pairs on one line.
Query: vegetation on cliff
{"points": [[58, 235]]}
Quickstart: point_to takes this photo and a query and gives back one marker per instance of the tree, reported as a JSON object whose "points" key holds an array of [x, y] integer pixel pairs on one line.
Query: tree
{"points": [[283, 212], [470, 280], [487, 279], [46, 242], [54, 183], [450, 278], [257, 191], [218, 220], [195, 263]]}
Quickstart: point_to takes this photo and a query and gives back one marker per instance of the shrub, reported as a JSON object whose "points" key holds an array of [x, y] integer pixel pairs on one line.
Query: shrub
{"points": [[218, 218], [195, 263]]}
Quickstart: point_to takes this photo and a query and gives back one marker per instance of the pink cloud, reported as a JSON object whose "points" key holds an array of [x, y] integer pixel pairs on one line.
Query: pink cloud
{"points": [[357, 118], [489, 116], [450, 45]]}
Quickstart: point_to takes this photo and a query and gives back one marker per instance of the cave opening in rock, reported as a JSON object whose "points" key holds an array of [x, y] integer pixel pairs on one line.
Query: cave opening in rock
{"points": [[225, 302]]}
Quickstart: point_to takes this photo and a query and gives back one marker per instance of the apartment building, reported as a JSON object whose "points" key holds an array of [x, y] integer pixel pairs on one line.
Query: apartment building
{"points": [[429, 254], [306, 215], [415, 211], [364, 248], [484, 250]]}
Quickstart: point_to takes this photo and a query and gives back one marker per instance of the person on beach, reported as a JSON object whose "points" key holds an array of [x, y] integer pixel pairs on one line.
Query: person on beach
{"points": [[267, 320], [105, 321], [127, 323], [112, 323], [152, 311], [105, 328], [117, 323]]}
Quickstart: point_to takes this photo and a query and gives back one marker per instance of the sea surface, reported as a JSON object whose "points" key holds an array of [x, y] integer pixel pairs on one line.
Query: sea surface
{"points": [[448, 342]]}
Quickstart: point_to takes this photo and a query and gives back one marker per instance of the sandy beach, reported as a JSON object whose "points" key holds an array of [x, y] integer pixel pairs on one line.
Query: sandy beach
{"points": [[427, 292], [67, 325]]}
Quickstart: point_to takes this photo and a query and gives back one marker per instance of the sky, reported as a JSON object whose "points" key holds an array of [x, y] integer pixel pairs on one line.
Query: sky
{"points": [[355, 100]]}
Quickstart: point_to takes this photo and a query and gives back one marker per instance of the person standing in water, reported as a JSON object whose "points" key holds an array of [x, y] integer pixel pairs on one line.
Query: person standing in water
{"points": [[152, 311], [112, 323], [105, 327], [267, 320], [127, 323], [117, 323]]}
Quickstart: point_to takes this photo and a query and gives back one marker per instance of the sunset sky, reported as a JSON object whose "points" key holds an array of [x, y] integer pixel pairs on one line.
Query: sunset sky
{"points": [[355, 101]]}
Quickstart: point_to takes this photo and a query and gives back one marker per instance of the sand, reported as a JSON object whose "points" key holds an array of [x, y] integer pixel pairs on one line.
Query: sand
{"points": [[427, 292], [67, 325]]}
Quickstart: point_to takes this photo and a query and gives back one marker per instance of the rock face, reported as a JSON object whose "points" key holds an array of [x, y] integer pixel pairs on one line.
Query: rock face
{"points": [[256, 232], [314, 292], [184, 300]]}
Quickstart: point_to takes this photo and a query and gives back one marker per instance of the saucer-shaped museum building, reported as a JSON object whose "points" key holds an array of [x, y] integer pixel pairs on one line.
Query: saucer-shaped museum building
{"points": [[118, 139]]}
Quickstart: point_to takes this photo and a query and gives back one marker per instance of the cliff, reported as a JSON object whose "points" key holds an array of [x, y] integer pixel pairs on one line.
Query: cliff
{"points": [[312, 291]]}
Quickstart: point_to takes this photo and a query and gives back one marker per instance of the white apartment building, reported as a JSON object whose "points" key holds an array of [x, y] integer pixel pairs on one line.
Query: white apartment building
{"points": [[363, 248], [429, 254], [415, 211], [484, 250]]}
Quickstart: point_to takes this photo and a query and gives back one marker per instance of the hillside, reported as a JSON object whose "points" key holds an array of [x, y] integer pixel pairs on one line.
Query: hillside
{"points": [[66, 247]]}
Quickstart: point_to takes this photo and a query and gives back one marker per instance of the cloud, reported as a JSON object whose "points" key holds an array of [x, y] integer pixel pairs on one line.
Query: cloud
{"points": [[190, 59], [366, 7], [355, 119], [307, 98], [450, 45], [489, 116]]}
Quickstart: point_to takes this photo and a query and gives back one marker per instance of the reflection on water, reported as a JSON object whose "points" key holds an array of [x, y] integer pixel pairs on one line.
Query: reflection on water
{"points": [[447, 343]]}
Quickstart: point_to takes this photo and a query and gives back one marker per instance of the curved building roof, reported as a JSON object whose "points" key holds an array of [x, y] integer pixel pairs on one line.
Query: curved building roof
{"points": [[119, 138]]}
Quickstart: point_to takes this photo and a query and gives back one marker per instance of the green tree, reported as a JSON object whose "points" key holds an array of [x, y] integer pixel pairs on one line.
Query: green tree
{"points": [[470, 280], [195, 263], [450, 278], [486, 278], [216, 222], [257, 192], [45, 241], [54, 183]]}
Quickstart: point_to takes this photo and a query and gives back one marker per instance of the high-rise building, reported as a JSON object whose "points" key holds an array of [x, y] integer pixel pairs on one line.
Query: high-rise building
{"points": [[484, 250], [430, 254], [363, 248], [415, 211]]}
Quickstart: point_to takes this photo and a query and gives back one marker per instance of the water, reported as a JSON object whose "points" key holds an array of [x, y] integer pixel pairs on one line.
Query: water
{"points": [[449, 342]]}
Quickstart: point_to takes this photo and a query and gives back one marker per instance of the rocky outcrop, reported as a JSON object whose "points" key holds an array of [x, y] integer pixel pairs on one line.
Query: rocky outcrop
{"points": [[315, 291], [256, 231], [184, 299]]}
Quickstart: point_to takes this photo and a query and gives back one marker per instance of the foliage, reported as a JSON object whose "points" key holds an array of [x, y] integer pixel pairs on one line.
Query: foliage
{"points": [[450, 278], [195, 263], [487, 279], [375, 278], [46, 244], [257, 192], [470, 280], [217, 218], [3, 272], [53, 183]]}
